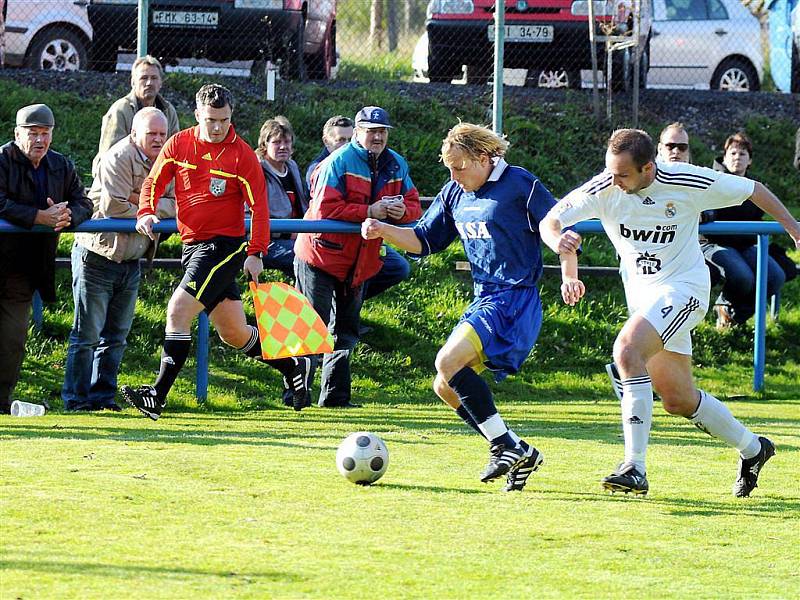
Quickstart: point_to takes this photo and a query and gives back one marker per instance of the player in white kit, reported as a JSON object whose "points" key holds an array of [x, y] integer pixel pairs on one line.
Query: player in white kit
{"points": [[650, 212]]}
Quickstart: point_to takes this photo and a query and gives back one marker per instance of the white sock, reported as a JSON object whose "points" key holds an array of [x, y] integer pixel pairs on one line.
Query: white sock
{"points": [[637, 418], [713, 417], [493, 427]]}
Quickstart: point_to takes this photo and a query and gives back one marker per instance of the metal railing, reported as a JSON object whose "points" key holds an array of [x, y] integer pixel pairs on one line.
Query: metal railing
{"points": [[759, 228]]}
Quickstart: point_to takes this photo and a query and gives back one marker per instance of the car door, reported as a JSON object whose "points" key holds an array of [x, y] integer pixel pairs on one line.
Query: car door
{"points": [[687, 39]]}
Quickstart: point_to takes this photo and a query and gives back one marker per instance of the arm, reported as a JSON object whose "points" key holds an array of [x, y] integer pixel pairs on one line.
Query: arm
{"points": [[155, 183], [255, 191], [566, 245], [769, 203], [402, 237]]}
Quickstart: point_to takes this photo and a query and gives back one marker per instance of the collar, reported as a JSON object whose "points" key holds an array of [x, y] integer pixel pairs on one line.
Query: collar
{"points": [[500, 165], [19, 156], [273, 170]]}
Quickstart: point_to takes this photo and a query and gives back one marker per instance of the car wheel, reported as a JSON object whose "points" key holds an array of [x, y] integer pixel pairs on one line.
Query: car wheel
{"points": [[56, 49], [558, 78], [321, 64], [294, 64], [735, 75]]}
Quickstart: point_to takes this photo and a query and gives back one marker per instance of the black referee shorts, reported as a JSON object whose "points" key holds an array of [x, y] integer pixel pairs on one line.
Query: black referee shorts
{"points": [[211, 268]]}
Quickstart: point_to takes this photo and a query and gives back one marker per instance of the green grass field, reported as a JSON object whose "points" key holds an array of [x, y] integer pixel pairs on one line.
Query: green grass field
{"points": [[250, 505]]}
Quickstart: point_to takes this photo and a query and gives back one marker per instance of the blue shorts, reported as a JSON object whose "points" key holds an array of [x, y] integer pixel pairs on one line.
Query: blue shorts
{"points": [[507, 323]]}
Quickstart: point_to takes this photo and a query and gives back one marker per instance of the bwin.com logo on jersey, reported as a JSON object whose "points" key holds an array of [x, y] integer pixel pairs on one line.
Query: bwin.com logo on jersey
{"points": [[648, 264]]}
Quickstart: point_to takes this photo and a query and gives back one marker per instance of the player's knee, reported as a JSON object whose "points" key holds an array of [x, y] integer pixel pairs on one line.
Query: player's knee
{"points": [[446, 366], [678, 402], [626, 356], [232, 336]]}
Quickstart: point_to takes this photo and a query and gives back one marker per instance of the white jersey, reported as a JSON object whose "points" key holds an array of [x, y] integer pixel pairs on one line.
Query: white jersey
{"points": [[654, 231]]}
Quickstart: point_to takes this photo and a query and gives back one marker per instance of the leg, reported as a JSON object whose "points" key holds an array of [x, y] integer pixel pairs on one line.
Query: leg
{"points": [[335, 386], [394, 270], [16, 297], [776, 277], [280, 256]]}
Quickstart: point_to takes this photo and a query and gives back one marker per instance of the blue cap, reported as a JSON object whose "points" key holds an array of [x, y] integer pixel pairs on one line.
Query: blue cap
{"points": [[371, 117]]}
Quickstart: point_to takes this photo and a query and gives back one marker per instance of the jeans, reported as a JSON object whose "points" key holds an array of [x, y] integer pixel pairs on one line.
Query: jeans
{"points": [[738, 267], [280, 256], [394, 270], [16, 298], [339, 306], [105, 298]]}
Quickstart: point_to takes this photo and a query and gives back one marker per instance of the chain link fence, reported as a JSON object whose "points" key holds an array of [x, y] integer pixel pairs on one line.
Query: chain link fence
{"points": [[717, 44]]}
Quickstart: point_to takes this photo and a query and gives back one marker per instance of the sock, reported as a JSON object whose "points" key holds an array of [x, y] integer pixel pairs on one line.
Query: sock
{"points": [[637, 418], [253, 349], [461, 411], [173, 356], [476, 397], [713, 417]]}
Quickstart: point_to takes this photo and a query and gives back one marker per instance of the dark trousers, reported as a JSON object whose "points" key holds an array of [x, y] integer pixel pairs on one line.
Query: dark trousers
{"points": [[339, 306], [16, 298]]}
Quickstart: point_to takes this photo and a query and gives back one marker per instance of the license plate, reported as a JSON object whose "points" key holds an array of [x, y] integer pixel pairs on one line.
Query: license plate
{"points": [[542, 34], [183, 18]]}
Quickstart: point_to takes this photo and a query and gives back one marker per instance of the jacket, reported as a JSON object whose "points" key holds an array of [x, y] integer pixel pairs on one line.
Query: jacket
{"points": [[280, 207], [33, 254], [118, 121], [746, 211], [120, 175], [212, 184], [348, 182]]}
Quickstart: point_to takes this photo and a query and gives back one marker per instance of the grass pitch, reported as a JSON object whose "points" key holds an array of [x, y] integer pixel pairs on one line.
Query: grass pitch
{"points": [[249, 505]]}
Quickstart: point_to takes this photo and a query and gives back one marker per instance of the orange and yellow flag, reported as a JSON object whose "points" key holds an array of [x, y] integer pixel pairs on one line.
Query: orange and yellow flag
{"points": [[287, 323]]}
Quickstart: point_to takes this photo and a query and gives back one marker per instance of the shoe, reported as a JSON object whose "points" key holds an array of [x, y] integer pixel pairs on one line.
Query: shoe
{"points": [[518, 476], [347, 404], [145, 400], [299, 383], [502, 459], [724, 317], [113, 406], [749, 468], [616, 380], [363, 330], [626, 478]]}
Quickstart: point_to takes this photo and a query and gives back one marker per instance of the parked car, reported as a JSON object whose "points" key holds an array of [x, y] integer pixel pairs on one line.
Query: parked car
{"points": [[540, 36], [706, 43], [299, 35], [47, 34]]}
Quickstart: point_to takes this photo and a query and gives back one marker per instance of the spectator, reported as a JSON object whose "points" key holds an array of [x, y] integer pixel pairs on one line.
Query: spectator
{"points": [[38, 186], [146, 81], [336, 133], [736, 255], [288, 196], [105, 267], [494, 208], [215, 174], [673, 144], [363, 179]]}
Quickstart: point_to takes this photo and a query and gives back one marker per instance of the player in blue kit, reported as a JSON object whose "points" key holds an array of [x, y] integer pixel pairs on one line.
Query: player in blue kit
{"points": [[495, 209]]}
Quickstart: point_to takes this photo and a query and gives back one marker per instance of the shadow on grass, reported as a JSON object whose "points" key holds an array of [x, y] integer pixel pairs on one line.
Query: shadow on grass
{"points": [[136, 570]]}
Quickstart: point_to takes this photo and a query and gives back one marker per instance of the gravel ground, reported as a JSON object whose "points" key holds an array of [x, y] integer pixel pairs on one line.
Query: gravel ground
{"points": [[703, 112]]}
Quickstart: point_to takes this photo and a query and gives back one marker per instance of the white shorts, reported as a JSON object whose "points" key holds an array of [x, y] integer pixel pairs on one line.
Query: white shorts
{"points": [[674, 311]]}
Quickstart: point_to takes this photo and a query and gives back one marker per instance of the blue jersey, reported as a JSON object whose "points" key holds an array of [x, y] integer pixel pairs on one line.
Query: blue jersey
{"points": [[498, 226]]}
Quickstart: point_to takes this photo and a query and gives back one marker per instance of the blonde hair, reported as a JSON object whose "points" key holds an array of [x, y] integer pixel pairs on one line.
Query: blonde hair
{"points": [[474, 141]]}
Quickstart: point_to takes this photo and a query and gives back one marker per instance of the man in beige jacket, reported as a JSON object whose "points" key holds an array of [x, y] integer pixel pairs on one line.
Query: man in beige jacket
{"points": [[105, 267], [147, 77]]}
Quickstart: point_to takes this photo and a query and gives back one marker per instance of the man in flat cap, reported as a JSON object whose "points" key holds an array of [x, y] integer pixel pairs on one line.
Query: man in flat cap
{"points": [[363, 179], [38, 186]]}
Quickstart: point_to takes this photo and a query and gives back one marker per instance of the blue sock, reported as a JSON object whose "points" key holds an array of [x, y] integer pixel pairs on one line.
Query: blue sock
{"points": [[476, 397], [462, 412]]}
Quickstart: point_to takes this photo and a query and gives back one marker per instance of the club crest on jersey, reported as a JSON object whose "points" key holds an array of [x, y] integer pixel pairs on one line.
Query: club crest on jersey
{"points": [[217, 186], [648, 264], [473, 230], [670, 210]]}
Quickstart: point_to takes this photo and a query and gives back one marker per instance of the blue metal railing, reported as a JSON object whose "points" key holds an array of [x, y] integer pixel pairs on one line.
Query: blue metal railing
{"points": [[760, 228]]}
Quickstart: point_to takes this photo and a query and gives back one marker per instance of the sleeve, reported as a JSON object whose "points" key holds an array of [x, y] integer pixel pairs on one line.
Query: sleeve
{"points": [[436, 229], [726, 190], [75, 197], [22, 215], [113, 128], [575, 207], [539, 202], [116, 187], [252, 180], [173, 125], [331, 193], [156, 182], [411, 200], [166, 205]]}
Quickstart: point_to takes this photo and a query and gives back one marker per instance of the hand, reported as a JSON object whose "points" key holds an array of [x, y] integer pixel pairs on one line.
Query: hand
{"points": [[371, 229], [377, 210], [58, 216], [144, 225], [569, 242], [572, 290], [253, 265], [396, 210]]}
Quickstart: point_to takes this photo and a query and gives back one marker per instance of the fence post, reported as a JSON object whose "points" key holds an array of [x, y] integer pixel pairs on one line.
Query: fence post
{"points": [[201, 381], [141, 37], [499, 43], [759, 341]]}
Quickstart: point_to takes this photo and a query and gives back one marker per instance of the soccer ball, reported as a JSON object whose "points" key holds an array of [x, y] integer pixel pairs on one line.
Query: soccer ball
{"points": [[362, 458]]}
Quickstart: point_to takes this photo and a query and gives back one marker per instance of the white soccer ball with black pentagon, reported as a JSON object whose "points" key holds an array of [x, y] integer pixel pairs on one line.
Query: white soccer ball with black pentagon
{"points": [[362, 457]]}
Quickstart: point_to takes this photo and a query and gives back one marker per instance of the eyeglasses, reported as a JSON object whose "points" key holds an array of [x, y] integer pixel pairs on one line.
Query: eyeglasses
{"points": [[681, 147]]}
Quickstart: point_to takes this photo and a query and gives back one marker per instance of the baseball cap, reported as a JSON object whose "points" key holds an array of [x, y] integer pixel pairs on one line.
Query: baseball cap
{"points": [[35, 115], [371, 117]]}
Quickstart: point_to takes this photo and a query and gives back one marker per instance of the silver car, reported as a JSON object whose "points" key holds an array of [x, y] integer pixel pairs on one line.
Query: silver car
{"points": [[705, 44], [47, 34]]}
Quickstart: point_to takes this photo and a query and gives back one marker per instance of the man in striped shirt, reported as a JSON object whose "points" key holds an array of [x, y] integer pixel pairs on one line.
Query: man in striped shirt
{"points": [[650, 212]]}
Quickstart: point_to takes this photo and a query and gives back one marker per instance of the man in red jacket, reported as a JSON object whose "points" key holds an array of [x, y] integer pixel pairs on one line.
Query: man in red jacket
{"points": [[215, 174]]}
